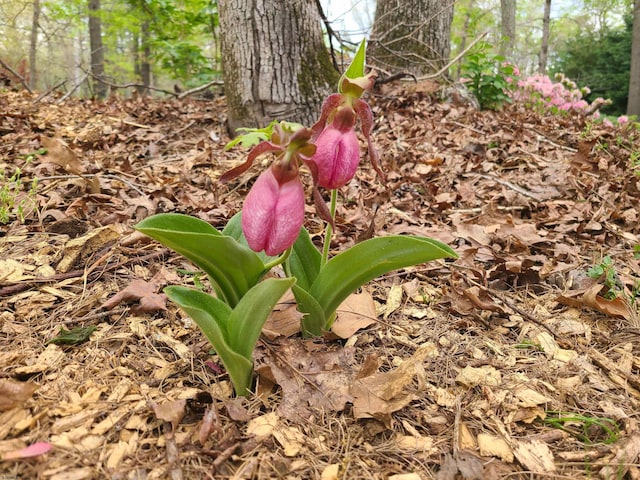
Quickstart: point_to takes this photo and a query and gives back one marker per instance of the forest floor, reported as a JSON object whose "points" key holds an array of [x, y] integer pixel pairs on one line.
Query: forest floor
{"points": [[509, 362]]}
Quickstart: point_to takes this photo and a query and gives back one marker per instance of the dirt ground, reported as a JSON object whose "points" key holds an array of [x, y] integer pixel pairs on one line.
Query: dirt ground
{"points": [[510, 362]]}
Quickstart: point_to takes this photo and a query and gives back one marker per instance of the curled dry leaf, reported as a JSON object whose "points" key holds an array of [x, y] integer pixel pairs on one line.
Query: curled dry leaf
{"points": [[62, 155], [618, 307], [171, 412], [141, 292]]}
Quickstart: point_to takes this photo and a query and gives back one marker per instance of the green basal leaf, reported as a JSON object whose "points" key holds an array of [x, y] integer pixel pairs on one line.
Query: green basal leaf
{"points": [[233, 228], [314, 321], [176, 222], [232, 332], [232, 267], [212, 316], [356, 68], [248, 317], [74, 336], [363, 262], [304, 261]]}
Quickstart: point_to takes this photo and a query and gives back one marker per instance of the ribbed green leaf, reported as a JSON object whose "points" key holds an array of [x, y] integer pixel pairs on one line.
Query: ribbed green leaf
{"points": [[233, 228], [212, 316], [232, 267], [314, 321], [304, 260], [363, 262], [248, 317]]}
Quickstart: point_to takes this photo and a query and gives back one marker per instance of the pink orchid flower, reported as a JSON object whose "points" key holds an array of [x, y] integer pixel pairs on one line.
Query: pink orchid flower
{"points": [[338, 152], [273, 211], [337, 156]]}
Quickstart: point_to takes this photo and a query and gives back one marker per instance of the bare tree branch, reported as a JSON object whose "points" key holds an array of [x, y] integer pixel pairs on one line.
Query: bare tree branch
{"points": [[17, 75]]}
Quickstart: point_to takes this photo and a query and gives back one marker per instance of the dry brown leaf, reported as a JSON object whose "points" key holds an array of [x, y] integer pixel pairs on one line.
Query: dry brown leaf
{"points": [[284, 321], [618, 307], [60, 154], [141, 292], [358, 311], [14, 393], [494, 446], [171, 412], [310, 376], [380, 394]]}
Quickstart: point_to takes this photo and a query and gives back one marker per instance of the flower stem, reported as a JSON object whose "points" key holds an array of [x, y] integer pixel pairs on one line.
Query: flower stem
{"points": [[329, 230], [278, 260]]}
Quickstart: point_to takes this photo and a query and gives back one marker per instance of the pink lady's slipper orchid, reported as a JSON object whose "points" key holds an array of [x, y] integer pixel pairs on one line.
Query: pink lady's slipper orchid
{"points": [[338, 152], [273, 211]]}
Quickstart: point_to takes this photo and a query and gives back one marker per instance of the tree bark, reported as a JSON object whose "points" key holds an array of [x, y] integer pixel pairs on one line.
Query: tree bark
{"points": [[33, 47], [274, 61], [411, 36], [97, 49], [507, 28], [633, 103], [544, 44]]}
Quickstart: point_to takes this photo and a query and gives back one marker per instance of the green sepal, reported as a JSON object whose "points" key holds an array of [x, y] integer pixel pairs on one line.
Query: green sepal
{"points": [[349, 270], [356, 67], [233, 268]]}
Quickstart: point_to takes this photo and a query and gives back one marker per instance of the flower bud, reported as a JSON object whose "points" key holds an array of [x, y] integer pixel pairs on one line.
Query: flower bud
{"points": [[273, 212], [337, 157]]}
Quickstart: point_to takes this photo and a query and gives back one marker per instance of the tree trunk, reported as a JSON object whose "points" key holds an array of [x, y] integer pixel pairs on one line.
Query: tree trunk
{"points": [[411, 36], [274, 61], [507, 27], [33, 47], [544, 44], [633, 104], [97, 50]]}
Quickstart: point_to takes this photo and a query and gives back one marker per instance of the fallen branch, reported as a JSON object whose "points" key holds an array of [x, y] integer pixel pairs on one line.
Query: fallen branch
{"points": [[15, 288]]}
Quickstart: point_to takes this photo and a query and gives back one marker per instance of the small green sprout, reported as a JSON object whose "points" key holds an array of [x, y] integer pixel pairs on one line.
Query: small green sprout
{"points": [[587, 429]]}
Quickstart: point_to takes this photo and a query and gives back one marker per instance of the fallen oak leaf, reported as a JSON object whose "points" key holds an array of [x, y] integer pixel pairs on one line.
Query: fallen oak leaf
{"points": [[142, 292], [382, 393], [60, 154]]}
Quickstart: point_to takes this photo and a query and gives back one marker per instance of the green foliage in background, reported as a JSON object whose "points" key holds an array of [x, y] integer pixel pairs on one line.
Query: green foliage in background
{"points": [[601, 61], [488, 76], [17, 199]]}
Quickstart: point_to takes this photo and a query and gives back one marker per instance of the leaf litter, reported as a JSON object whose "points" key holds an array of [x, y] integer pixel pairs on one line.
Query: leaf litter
{"points": [[446, 370]]}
